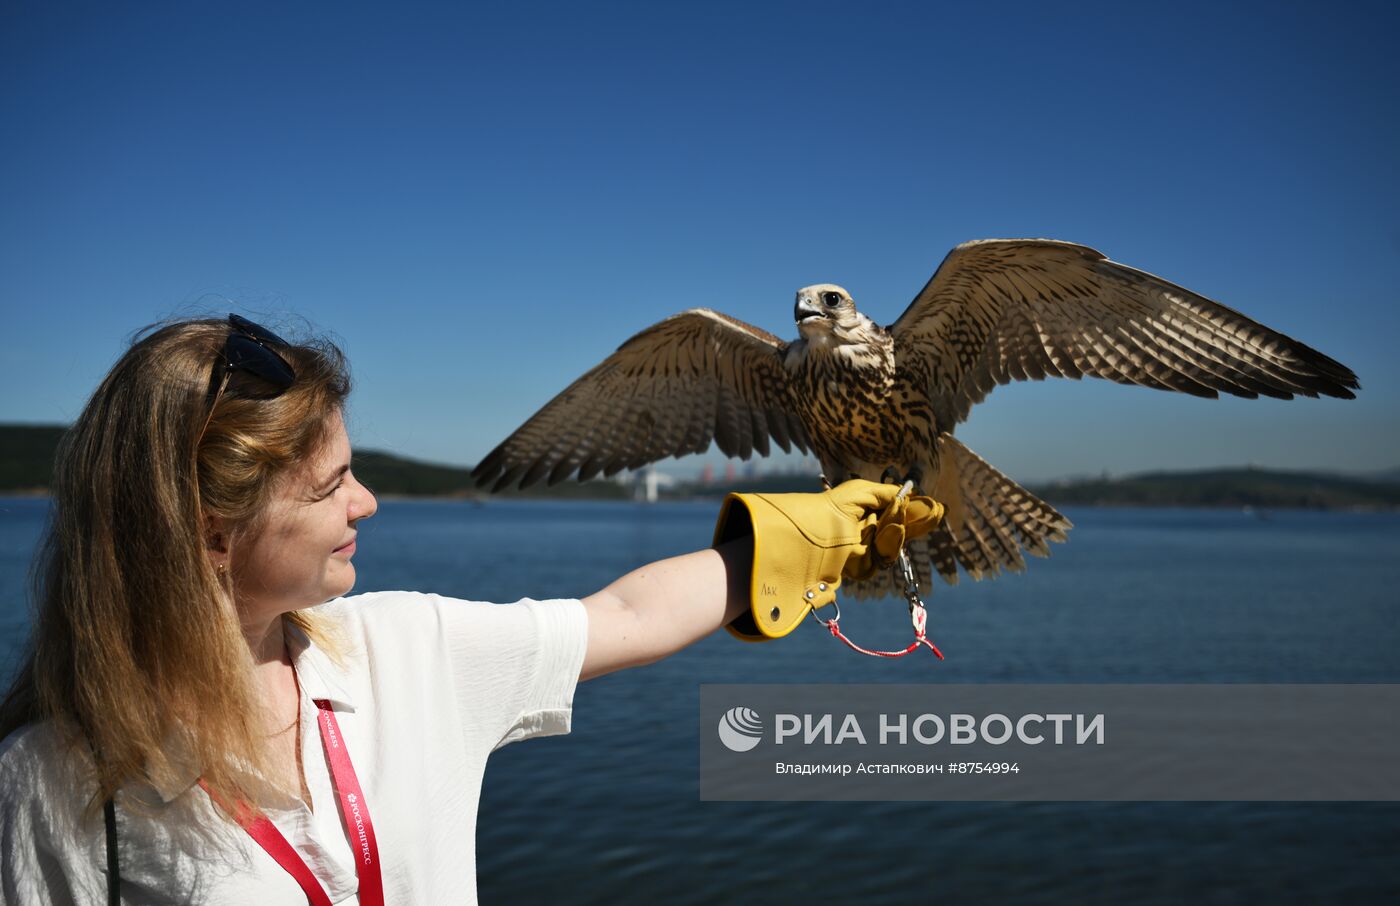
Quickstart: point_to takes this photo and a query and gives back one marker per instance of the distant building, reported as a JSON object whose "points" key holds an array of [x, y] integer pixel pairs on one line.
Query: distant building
{"points": [[647, 482]]}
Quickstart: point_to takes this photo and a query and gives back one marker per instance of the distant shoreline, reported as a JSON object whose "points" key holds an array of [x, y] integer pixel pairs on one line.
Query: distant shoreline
{"points": [[27, 454], [1261, 511]]}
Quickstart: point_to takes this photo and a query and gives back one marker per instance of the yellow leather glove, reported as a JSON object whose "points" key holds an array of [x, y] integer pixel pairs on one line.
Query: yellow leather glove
{"points": [[803, 545]]}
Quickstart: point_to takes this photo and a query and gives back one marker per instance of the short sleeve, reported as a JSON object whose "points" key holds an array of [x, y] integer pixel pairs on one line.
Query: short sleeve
{"points": [[515, 666]]}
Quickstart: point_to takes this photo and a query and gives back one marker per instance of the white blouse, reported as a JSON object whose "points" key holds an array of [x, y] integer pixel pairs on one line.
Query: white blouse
{"points": [[431, 687]]}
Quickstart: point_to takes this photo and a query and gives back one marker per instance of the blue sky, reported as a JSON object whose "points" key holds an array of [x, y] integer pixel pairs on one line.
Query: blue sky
{"points": [[481, 204]]}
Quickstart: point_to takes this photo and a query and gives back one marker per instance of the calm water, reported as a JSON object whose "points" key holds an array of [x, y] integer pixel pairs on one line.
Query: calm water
{"points": [[612, 812]]}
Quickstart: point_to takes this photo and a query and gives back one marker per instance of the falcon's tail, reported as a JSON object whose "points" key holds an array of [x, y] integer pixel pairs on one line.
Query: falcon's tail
{"points": [[989, 519]]}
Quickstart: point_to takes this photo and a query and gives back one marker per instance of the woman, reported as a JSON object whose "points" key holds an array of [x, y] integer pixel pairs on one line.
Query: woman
{"points": [[195, 723]]}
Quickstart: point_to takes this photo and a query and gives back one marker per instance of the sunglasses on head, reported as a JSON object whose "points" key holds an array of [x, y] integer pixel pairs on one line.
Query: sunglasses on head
{"points": [[252, 349]]}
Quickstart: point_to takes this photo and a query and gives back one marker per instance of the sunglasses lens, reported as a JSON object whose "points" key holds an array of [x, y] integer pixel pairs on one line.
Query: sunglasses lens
{"points": [[246, 354], [256, 331]]}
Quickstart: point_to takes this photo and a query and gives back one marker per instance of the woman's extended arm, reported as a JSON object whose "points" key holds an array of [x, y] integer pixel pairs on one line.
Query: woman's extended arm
{"points": [[808, 543], [662, 607]]}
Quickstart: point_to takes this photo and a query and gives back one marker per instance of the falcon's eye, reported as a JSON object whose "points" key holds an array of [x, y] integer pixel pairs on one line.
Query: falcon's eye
{"points": [[831, 300]]}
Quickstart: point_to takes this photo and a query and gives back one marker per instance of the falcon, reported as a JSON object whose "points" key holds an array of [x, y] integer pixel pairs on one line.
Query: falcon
{"points": [[882, 403]]}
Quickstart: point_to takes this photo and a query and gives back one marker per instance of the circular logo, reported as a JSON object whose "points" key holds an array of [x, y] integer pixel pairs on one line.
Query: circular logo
{"points": [[740, 729]]}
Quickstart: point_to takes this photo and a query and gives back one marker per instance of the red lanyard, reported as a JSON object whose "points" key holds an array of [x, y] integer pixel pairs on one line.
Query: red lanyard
{"points": [[353, 809]]}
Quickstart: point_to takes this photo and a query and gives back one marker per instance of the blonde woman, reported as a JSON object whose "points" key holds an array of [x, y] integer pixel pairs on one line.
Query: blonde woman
{"points": [[205, 718]]}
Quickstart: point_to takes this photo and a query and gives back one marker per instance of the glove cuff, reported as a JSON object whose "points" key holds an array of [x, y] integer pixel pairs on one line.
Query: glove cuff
{"points": [[792, 573]]}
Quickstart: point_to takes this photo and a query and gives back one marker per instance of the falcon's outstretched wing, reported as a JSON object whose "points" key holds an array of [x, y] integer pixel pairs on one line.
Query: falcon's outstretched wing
{"points": [[671, 389], [1000, 310]]}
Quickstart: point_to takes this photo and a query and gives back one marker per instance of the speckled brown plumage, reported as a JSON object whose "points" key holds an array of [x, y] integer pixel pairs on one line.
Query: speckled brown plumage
{"points": [[871, 401]]}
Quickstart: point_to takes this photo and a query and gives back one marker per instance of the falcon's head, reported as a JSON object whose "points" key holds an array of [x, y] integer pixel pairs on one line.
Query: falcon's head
{"points": [[823, 308]]}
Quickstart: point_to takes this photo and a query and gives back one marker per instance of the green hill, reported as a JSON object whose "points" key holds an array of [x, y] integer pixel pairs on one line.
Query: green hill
{"points": [[1265, 488], [27, 454]]}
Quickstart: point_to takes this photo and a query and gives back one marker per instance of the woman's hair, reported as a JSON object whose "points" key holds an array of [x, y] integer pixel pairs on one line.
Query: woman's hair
{"points": [[138, 652]]}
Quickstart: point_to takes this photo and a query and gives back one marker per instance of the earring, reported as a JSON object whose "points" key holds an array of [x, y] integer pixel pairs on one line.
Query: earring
{"points": [[220, 570]]}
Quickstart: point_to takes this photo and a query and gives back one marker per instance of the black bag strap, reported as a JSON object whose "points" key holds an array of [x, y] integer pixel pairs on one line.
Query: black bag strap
{"points": [[109, 818], [114, 879]]}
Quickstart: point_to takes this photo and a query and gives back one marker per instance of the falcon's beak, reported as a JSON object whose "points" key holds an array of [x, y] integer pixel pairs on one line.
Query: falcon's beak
{"points": [[805, 309]]}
